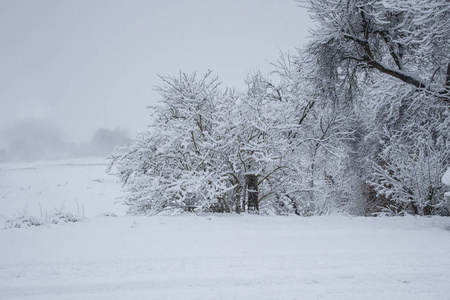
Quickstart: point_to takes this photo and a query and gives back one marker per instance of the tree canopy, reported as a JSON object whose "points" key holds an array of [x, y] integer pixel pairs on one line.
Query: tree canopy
{"points": [[358, 122]]}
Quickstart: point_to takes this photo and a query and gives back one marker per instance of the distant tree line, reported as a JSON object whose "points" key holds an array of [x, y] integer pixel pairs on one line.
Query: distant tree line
{"points": [[358, 122]]}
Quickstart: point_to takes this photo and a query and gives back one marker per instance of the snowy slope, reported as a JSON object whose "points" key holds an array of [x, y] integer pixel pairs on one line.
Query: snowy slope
{"points": [[210, 256]]}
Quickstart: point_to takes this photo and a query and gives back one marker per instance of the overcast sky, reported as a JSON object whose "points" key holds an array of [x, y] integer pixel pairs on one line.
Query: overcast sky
{"points": [[80, 65]]}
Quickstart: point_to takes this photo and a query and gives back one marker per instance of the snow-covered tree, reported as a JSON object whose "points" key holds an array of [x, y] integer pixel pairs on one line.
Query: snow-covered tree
{"points": [[318, 138], [389, 63], [406, 40], [171, 167], [265, 149]]}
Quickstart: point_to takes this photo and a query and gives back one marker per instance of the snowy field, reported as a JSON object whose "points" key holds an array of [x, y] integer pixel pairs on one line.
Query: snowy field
{"points": [[202, 257]]}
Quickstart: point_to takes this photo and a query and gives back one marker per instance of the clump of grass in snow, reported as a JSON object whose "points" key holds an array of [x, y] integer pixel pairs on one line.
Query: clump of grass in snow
{"points": [[57, 216]]}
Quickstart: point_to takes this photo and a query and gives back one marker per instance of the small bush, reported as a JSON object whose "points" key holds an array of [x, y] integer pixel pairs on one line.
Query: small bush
{"points": [[63, 217], [23, 222]]}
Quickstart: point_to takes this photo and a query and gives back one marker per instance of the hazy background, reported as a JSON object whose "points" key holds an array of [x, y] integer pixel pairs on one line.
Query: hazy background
{"points": [[76, 76]]}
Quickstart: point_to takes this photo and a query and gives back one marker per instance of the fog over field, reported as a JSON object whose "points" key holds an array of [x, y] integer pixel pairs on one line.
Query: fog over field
{"points": [[70, 68]]}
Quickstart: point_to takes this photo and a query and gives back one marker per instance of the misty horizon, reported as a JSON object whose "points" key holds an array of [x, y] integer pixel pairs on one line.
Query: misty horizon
{"points": [[76, 67], [37, 140]]}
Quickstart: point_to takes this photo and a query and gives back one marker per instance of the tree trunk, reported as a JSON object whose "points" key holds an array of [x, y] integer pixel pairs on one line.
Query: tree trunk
{"points": [[252, 191], [240, 207]]}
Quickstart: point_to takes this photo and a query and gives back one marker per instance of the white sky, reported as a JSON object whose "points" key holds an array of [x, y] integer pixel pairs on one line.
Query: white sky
{"points": [[81, 64]]}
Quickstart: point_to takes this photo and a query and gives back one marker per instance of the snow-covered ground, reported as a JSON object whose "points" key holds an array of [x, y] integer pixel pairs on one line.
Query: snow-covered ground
{"points": [[79, 186], [203, 257]]}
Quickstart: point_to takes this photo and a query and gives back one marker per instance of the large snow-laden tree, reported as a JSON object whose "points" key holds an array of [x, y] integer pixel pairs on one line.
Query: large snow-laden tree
{"points": [[406, 40], [389, 62]]}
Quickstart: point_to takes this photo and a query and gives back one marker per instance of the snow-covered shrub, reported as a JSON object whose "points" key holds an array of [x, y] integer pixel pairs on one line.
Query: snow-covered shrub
{"points": [[58, 216], [23, 221], [415, 155], [62, 217], [110, 214]]}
